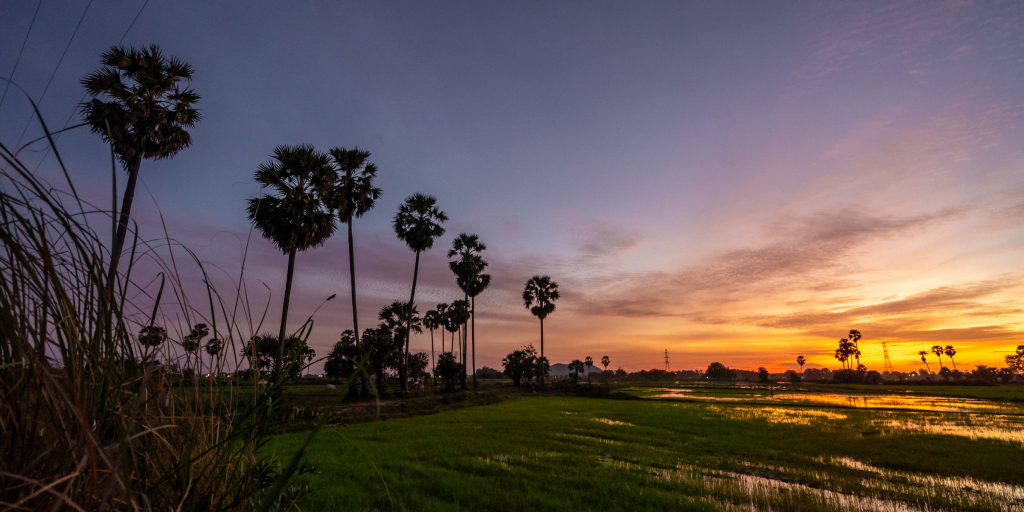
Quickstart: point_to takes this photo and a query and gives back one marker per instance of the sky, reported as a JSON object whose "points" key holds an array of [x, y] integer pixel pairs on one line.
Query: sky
{"points": [[741, 182]]}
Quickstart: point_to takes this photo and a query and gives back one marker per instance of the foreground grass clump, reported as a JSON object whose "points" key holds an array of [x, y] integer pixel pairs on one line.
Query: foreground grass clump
{"points": [[91, 416], [557, 453]]}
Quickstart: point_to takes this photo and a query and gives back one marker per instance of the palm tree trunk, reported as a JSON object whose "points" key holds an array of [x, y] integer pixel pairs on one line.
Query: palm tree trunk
{"points": [[403, 377], [954, 363], [542, 350], [279, 360], [122, 224], [472, 316], [363, 379], [462, 335], [433, 365]]}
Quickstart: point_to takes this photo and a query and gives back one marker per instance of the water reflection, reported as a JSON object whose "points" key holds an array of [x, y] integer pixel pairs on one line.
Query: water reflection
{"points": [[887, 401]]}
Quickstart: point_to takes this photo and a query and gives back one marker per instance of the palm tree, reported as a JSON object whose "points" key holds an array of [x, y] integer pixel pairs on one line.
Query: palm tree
{"points": [[467, 268], [353, 195], [937, 350], [855, 338], [924, 360], [432, 320], [539, 296], [605, 361], [458, 315], [148, 116], [213, 348], [418, 224], [589, 361], [296, 215], [800, 361], [950, 351]]}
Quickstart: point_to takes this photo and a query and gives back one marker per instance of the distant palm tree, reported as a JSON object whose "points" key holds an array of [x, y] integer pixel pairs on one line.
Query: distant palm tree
{"points": [[467, 267], [539, 296], [458, 315], [442, 309], [937, 350], [432, 320], [148, 116], [950, 351], [800, 361], [352, 196], [296, 215], [605, 362], [418, 224], [855, 339], [589, 361], [923, 354]]}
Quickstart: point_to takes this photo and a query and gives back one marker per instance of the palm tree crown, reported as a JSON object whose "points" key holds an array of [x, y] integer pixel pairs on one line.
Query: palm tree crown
{"points": [[296, 214], [418, 222], [540, 295], [354, 193], [149, 113]]}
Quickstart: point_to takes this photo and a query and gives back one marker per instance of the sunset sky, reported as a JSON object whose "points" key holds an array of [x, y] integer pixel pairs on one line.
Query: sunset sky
{"points": [[740, 182]]}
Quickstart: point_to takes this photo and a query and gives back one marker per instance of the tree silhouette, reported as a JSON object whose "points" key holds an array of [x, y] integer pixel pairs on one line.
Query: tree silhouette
{"points": [[575, 369], [352, 196], [147, 117], [396, 317], [458, 315], [539, 296], [342, 359], [950, 352], [605, 362], [1015, 361], [418, 224], [800, 360], [467, 267], [433, 320], [589, 361], [938, 351], [296, 214], [855, 339], [923, 354], [193, 340], [845, 352], [762, 374]]}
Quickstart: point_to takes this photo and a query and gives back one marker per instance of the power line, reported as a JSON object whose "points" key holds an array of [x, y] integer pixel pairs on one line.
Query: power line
{"points": [[18, 60], [59, 62]]}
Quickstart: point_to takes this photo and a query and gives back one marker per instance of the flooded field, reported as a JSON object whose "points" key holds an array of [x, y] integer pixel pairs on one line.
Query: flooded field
{"points": [[800, 396]]}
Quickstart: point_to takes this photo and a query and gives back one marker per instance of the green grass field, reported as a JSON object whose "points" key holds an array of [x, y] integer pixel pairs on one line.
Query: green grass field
{"points": [[560, 452]]}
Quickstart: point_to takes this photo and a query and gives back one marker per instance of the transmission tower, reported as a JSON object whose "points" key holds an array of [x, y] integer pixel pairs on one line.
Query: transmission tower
{"points": [[667, 367], [888, 364]]}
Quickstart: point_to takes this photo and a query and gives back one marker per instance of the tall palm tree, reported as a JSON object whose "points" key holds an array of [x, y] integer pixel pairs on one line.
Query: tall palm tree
{"points": [[937, 350], [352, 196], [296, 214], [432, 320], [855, 339], [589, 361], [800, 361], [950, 352], [467, 267], [923, 354], [539, 296], [605, 361], [147, 117], [418, 224]]}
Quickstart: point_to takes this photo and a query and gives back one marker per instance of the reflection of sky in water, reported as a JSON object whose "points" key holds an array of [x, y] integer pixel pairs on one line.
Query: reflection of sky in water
{"points": [[891, 401]]}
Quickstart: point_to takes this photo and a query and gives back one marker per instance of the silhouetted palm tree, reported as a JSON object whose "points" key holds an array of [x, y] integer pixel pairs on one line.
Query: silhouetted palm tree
{"points": [[924, 360], [432, 320], [855, 339], [467, 267], [539, 296], [589, 361], [950, 352], [147, 116], [295, 215], [418, 224], [937, 350], [458, 314], [800, 361], [352, 196], [605, 361]]}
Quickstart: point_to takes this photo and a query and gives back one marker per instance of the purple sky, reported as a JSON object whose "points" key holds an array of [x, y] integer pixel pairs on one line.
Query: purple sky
{"points": [[733, 181]]}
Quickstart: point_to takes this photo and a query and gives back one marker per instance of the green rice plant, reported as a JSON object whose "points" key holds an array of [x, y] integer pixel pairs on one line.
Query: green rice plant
{"points": [[93, 414]]}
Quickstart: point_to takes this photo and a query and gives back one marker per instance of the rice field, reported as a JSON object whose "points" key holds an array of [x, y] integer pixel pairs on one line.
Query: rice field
{"points": [[664, 452]]}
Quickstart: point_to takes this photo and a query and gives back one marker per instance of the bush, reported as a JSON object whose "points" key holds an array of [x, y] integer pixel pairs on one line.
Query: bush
{"points": [[449, 370]]}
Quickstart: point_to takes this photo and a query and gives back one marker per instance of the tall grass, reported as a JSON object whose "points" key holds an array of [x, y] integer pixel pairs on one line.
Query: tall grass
{"points": [[92, 416]]}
